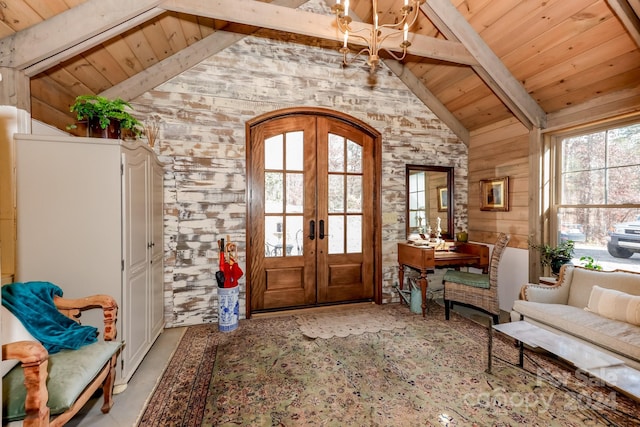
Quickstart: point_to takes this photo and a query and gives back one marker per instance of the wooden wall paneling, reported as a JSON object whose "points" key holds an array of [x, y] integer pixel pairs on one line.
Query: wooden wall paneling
{"points": [[68, 81], [207, 26], [501, 149], [571, 47], [191, 28], [531, 25], [48, 8], [19, 15], [139, 44], [469, 96], [85, 72], [621, 103], [123, 55], [107, 65], [47, 90], [57, 118], [591, 82], [64, 87], [566, 68], [173, 31], [157, 39]]}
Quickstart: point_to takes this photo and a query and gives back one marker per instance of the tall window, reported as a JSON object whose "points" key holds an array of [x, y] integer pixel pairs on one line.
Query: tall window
{"points": [[598, 194]]}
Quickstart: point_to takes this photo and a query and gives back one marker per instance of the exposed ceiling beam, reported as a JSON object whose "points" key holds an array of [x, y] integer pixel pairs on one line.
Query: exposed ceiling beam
{"points": [[266, 15], [628, 17], [490, 69], [188, 57], [71, 32]]}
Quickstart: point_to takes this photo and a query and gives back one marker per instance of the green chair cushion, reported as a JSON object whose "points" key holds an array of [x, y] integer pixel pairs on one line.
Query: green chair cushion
{"points": [[476, 280], [70, 371]]}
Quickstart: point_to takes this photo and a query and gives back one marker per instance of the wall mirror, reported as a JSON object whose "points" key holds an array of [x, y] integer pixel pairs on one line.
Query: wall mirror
{"points": [[429, 197]]}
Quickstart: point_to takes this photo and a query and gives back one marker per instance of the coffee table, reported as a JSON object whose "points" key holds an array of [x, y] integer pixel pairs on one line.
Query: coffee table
{"points": [[601, 365]]}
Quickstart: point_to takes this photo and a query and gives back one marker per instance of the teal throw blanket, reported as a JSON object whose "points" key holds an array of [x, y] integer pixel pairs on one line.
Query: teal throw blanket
{"points": [[32, 303]]}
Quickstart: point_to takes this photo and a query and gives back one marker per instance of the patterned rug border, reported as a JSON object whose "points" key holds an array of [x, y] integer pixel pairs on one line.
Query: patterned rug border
{"points": [[159, 379], [187, 368]]}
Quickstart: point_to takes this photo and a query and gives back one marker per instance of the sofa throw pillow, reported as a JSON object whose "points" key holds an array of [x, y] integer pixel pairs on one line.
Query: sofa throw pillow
{"points": [[12, 330], [615, 305]]}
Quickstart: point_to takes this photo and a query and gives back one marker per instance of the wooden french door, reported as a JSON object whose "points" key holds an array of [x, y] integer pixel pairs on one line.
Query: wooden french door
{"points": [[311, 213]]}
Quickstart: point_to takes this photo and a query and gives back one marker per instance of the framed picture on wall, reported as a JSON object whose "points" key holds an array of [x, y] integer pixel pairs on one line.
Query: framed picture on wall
{"points": [[442, 199], [494, 194]]}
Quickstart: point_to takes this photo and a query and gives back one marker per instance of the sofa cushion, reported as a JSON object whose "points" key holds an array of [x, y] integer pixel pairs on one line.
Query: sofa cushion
{"points": [[70, 371], [12, 330], [582, 280], [617, 337], [615, 305]]}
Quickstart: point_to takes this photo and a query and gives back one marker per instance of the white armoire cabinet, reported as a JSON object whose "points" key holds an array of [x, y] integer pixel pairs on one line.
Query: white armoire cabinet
{"points": [[89, 219]]}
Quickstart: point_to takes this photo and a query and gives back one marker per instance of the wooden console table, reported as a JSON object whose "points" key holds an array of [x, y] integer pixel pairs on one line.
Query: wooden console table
{"points": [[426, 259]]}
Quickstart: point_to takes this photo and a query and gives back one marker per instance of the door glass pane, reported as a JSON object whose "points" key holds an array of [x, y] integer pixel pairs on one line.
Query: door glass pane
{"points": [[273, 152], [354, 233], [336, 234], [354, 193], [336, 153], [273, 232], [295, 151], [336, 193], [354, 157], [295, 235], [273, 192], [295, 193]]}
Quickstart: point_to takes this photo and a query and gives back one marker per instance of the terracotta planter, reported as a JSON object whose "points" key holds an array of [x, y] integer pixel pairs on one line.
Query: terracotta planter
{"points": [[95, 131]]}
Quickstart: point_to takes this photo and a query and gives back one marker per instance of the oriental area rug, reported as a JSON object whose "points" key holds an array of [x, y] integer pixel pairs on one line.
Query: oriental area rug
{"points": [[425, 372]]}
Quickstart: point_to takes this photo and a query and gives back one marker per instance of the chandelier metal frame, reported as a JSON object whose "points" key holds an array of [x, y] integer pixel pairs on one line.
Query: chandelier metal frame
{"points": [[377, 33]]}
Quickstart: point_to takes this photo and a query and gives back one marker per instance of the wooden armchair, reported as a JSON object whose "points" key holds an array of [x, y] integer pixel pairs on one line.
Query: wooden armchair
{"points": [[48, 390], [474, 289]]}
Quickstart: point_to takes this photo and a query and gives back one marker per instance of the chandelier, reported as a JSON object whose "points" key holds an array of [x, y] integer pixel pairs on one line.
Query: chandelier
{"points": [[374, 36]]}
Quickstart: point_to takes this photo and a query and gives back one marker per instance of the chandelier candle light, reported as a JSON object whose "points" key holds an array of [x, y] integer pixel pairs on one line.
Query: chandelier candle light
{"points": [[377, 33]]}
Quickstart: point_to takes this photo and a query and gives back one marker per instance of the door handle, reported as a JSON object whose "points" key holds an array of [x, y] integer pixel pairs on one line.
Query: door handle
{"points": [[321, 234], [312, 230]]}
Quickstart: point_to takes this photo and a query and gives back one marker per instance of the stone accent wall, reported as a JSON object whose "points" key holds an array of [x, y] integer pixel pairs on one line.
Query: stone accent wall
{"points": [[202, 116]]}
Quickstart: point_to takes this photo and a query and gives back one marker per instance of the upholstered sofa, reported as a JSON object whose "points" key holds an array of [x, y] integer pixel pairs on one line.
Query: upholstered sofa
{"points": [[599, 308], [42, 389]]}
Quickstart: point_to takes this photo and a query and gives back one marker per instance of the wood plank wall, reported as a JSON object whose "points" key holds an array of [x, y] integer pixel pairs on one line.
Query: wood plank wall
{"points": [[496, 151], [202, 113]]}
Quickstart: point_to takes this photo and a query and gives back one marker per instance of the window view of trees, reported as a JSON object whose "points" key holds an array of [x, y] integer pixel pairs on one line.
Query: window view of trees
{"points": [[598, 198]]}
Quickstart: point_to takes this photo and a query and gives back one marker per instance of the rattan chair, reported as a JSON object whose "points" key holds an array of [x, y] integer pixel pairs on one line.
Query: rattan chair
{"points": [[476, 289]]}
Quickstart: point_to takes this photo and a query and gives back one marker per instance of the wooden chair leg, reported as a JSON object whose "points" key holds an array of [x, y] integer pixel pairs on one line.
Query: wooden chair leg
{"points": [[496, 319], [446, 309], [107, 387]]}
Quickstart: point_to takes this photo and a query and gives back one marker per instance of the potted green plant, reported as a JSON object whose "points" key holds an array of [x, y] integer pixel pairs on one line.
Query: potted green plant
{"points": [[555, 257], [106, 118], [590, 262]]}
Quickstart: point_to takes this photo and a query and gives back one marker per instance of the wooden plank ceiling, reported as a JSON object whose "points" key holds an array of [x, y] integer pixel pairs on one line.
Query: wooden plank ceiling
{"points": [[473, 62]]}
